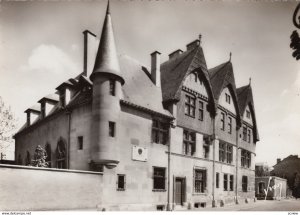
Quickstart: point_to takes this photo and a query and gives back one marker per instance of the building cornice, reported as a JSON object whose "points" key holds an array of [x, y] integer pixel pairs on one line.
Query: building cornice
{"points": [[144, 109]]}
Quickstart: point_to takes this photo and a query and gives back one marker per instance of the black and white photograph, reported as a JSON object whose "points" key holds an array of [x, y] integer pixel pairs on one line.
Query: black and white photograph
{"points": [[149, 105]]}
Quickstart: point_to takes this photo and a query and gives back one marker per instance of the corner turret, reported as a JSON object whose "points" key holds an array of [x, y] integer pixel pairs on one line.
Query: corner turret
{"points": [[107, 91]]}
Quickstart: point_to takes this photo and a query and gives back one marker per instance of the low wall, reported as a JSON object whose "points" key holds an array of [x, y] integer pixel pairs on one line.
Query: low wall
{"points": [[31, 188]]}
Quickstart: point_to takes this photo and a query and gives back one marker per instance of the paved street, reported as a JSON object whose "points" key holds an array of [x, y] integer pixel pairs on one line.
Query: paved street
{"points": [[261, 205]]}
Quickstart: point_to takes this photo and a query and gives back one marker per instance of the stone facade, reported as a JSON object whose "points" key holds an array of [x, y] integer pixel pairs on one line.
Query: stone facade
{"points": [[177, 135]]}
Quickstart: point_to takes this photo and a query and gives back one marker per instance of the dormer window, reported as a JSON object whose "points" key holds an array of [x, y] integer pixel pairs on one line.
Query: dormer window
{"points": [[227, 98], [112, 87], [47, 104], [66, 92]]}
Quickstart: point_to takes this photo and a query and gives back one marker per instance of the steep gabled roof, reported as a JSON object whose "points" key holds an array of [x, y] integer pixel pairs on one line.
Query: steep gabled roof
{"points": [[139, 88], [245, 97], [175, 70], [220, 77]]}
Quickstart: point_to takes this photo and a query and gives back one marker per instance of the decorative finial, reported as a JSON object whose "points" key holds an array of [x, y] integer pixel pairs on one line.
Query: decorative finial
{"points": [[107, 10], [230, 54], [250, 81], [200, 37]]}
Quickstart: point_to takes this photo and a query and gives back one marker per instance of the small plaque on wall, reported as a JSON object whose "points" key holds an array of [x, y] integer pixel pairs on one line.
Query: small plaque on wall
{"points": [[139, 153]]}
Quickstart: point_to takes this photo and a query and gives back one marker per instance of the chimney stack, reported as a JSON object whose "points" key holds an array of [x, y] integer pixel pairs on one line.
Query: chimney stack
{"points": [[90, 51], [175, 53], [155, 68]]}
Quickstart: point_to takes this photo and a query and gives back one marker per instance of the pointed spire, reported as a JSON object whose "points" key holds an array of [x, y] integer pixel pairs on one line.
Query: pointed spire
{"points": [[107, 61], [230, 54], [200, 37], [250, 81], [107, 9]]}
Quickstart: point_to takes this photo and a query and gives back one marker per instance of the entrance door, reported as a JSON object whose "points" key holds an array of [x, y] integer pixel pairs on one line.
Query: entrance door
{"points": [[179, 191]]}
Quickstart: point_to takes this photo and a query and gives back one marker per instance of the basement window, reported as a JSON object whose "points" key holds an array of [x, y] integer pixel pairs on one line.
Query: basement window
{"points": [[160, 207]]}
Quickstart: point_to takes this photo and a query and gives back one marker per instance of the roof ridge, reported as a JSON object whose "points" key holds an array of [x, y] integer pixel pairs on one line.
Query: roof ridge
{"points": [[224, 64], [179, 62]]}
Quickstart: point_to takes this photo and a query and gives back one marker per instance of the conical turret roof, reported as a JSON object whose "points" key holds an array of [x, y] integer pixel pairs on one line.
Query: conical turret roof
{"points": [[106, 62]]}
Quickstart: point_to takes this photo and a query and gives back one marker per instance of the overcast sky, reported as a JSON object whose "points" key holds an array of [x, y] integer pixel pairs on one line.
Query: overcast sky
{"points": [[41, 46]]}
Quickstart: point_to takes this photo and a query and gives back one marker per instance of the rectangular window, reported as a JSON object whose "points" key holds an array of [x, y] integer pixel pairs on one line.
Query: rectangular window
{"points": [[80, 142], [229, 125], [121, 182], [222, 121], [205, 150], [201, 111], [112, 87], [189, 142], [222, 151], [227, 97], [231, 183], [244, 133], [248, 159], [249, 136], [225, 182], [112, 129], [248, 114], [245, 158], [160, 132], [229, 153], [217, 180], [244, 183], [159, 178], [194, 75], [199, 180], [190, 106]]}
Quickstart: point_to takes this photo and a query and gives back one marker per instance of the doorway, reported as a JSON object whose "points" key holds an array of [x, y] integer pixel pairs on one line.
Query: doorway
{"points": [[179, 191]]}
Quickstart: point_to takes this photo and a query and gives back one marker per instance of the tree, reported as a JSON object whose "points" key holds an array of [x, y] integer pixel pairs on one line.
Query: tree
{"points": [[7, 128], [40, 156], [296, 187]]}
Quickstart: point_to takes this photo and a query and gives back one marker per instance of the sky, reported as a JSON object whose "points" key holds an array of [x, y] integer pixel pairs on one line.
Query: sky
{"points": [[41, 45]]}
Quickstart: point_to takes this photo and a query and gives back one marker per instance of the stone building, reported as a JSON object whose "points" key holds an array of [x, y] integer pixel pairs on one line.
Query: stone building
{"points": [[270, 187], [177, 135]]}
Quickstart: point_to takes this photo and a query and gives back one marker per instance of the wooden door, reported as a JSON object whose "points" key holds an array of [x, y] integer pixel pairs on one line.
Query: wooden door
{"points": [[178, 191]]}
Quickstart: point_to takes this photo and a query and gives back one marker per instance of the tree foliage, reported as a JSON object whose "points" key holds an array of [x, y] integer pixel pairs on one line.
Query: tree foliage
{"points": [[295, 45], [8, 124], [40, 156], [296, 187]]}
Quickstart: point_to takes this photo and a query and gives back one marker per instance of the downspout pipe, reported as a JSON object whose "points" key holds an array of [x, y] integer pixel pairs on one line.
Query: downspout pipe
{"points": [[214, 158], [236, 165], [69, 114]]}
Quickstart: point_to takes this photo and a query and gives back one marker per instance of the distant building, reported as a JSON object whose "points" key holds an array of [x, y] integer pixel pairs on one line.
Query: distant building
{"points": [[175, 135], [287, 168], [271, 186], [262, 169]]}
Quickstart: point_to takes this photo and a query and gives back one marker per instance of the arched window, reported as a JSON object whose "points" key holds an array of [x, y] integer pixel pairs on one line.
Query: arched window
{"points": [[48, 154], [28, 159], [61, 154], [20, 162]]}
